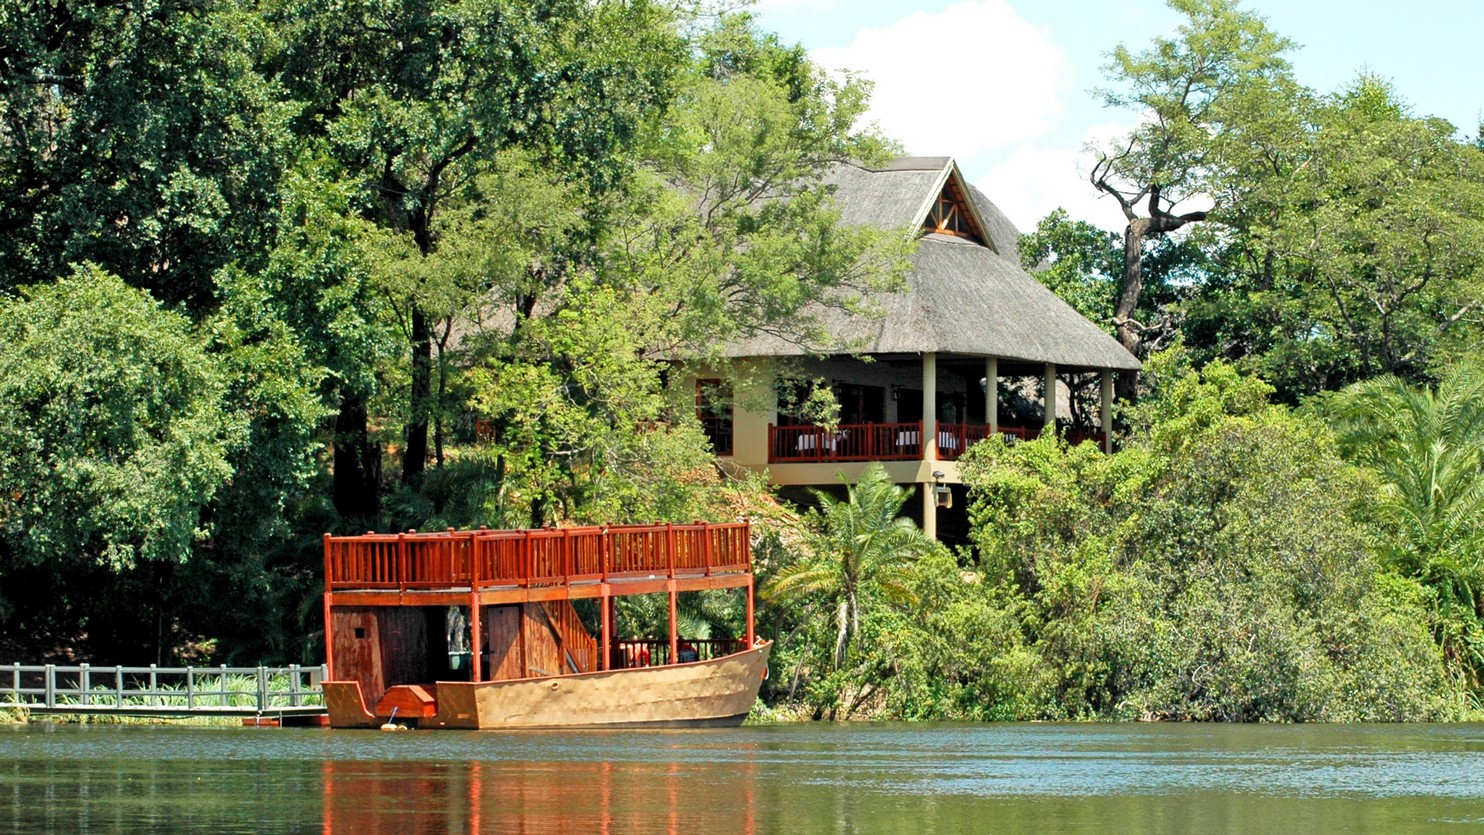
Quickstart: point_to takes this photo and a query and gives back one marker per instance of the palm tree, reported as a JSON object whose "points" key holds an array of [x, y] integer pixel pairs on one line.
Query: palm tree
{"points": [[862, 548], [1428, 447]]}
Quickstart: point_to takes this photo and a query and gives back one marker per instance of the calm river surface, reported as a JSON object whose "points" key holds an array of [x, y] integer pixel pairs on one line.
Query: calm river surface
{"points": [[790, 778]]}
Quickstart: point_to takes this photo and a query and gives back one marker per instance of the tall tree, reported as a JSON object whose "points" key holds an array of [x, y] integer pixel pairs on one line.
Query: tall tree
{"points": [[725, 230], [1186, 90], [416, 99], [139, 136], [115, 435]]}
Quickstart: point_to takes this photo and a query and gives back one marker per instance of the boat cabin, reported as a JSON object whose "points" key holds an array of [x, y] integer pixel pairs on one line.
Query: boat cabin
{"points": [[406, 611]]}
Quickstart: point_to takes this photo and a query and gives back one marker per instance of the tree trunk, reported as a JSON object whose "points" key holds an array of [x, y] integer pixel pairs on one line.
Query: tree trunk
{"points": [[1129, 290], [843, 638], [415, 453], [357, 464]]}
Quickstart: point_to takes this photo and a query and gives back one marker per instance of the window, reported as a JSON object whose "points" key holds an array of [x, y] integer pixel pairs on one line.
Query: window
{"points": [[950, 215], [714, 411]]}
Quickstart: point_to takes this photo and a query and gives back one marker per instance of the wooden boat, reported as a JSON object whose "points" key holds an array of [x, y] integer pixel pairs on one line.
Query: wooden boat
{"points": [[477, 629]]}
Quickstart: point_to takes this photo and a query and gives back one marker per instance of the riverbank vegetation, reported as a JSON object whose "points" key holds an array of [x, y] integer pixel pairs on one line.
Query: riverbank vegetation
{"points": [[269, 269]]}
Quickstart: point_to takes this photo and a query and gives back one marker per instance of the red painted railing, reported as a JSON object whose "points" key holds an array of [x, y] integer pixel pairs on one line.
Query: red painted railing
{"points": [[849, 442], [655, 652], [889, 441], [542, 557]]}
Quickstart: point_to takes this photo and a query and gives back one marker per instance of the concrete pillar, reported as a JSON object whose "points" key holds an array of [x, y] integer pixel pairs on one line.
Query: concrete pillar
{"points": [[929, 406], [992, 394], [1051, 396], [1105, 409], [754, 406]]}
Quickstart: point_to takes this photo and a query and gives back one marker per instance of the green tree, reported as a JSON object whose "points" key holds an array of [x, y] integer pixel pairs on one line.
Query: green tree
{"points": [[116, 435], [725, 230], [863, 551], [141, 137], [1188, 89], [417, 99], [1221, 566], [1384, 233], [114, 432], [1427, 445]]}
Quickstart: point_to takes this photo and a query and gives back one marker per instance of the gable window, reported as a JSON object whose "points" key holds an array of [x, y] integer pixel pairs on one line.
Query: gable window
{"points": [[950, 215], [714, 411]]}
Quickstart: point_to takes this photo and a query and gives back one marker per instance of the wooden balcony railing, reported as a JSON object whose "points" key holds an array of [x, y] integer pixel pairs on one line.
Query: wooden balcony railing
{"points": [[850, 442], [529, 558], [889, 441]]}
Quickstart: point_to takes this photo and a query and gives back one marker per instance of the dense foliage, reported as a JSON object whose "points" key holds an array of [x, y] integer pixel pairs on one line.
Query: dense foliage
{"points": [[275, 268], [1222, 565]]}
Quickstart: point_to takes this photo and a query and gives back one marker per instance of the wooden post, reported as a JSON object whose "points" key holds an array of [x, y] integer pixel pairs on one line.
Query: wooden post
{"points": [[1050, 401], [706, 535], [674, 637], [607, 648], [751, 635], [605, 554], [1105, 410], [402, 561], [329, 582], [670, 561], [476, 628]]}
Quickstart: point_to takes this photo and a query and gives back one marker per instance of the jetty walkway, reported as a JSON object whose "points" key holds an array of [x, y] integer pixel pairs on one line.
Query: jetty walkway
{"points": [[265, 692]]}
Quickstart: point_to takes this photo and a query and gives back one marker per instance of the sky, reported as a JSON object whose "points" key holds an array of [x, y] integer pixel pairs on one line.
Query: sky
{"points": [[1005, 86]]}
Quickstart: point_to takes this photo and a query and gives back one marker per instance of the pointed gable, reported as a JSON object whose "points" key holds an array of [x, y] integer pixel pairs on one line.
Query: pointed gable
{"points": [[953, 214]]}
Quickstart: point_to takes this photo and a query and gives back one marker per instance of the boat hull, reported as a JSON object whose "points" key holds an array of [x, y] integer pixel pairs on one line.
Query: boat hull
{"points": [[716, 692]]}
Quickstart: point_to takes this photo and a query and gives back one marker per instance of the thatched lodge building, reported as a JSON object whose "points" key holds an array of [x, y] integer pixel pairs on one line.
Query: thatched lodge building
{"points": [[927, 378]]}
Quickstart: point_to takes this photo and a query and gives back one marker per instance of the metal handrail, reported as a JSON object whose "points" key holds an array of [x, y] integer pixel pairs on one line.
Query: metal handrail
{"points": [[165, 691]]}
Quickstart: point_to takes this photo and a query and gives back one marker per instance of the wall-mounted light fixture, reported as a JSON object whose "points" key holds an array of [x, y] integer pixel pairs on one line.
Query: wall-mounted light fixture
{"points": [[896, 391], [942, 493]]}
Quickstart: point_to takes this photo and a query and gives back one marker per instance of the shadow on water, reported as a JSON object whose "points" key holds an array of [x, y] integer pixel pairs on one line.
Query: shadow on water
{"points": [[799, 778]]}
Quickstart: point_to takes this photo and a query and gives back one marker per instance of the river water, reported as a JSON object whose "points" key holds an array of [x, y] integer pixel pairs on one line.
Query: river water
{"points": [[787, 778]]}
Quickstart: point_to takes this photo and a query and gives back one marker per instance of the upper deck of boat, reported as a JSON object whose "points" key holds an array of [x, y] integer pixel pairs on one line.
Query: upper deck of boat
{"points": [[517, 566]]}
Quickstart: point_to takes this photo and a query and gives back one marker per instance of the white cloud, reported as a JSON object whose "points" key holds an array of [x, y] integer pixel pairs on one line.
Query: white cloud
{"points": [[1035, 179], [971, 80]]}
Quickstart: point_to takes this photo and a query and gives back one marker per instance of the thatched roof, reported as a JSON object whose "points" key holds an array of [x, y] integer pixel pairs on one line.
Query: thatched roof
{"points": [[961, 297]]}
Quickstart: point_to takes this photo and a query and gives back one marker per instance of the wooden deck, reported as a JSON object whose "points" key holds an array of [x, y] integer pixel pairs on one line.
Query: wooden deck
{"points": [[526, 566], [516, 587]]}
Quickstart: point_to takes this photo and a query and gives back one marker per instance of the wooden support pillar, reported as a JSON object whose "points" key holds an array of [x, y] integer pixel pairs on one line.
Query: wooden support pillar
{"points": [[992, 394], [476, 638], [1050, 401], [605, 649], [1105, 409], [751, 635], [674, 636], [329, 638]]}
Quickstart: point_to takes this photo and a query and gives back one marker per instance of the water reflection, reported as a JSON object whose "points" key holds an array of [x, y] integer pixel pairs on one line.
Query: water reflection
{"points": [[859, 778], [369, 798]]}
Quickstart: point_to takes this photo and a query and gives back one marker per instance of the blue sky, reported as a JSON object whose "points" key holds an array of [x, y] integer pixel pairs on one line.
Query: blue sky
{"points": [[1003, 85]]}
